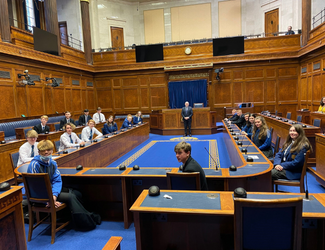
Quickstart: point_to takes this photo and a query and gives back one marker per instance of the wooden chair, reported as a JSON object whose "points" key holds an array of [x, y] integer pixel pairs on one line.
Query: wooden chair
{"points": [[183, 181], [39, 192], [316, 122], [14, 160], [288, 115], [276, 147], [268, 224], [299, 118], [113, 243], [296, 183]]}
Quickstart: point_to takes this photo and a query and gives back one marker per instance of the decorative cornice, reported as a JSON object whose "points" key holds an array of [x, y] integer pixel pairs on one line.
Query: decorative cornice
{"points": [[198, 75]]}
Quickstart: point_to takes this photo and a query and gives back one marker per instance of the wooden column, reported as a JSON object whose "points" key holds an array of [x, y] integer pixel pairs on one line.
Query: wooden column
{"points": [[41, 15], [306, 21], [51, 20], [20, 14], [86, 30], [11, 15], [4, 21]]}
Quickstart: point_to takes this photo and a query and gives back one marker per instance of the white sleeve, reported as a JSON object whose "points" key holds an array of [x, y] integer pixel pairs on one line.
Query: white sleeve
{"points": [[66, 141], [77, 139], [103, 120], [95, 118], [97, 132], [84, 135], [24, 154]]}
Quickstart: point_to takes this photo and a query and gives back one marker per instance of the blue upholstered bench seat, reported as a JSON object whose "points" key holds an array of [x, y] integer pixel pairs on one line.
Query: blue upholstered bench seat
{"points": [[9, 127]]}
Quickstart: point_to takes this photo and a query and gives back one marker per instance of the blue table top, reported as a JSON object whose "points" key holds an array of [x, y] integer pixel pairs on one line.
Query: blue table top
{"points": [[250, 169], [145, 171], [250, 149], [68, 170], [183, 200], [260, 157], [103, 171]]}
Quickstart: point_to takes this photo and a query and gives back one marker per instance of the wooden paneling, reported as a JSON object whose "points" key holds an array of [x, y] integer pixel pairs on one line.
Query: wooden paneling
{"points": [[35, 101], [158, 97], [131, 98], [7, 108], [76, 100], [257, 88], [271, 91], [104, 98], [288, 90], [117, 99]]}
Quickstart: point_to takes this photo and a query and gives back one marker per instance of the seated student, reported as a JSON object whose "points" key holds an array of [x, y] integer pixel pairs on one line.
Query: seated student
{"points": [[321, 108], [43, 163], [67, 119], [127, 122], [241, 119], [137, 119], [98, 116], [69, 139], [110, 126], [261, 136], [83, 119], [42, 128], [289, 161], [183, 154], [234, 116], [87, 133], [246, 121], [248, 129], [28, 150]]}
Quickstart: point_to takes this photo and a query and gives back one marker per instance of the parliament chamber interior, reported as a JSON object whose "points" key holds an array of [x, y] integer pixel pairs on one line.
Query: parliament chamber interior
{"points": [[164, 74]]}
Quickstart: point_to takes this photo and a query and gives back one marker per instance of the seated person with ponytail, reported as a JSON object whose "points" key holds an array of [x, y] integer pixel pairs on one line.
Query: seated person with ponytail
{"points": [[288, 162], [110, 126], [69, 139], [137, 119], [261, 136], [127, 122], [248, 129], [43, 163]]}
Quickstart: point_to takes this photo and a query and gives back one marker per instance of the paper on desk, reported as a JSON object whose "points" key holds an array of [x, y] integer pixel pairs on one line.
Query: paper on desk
{"points": [[255, 157]]}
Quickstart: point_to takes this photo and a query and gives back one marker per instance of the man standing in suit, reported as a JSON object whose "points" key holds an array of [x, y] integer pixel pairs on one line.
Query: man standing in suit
{"points": [[99, 117], [187, 114], [67, 119], [42, 128], [83, 119]]}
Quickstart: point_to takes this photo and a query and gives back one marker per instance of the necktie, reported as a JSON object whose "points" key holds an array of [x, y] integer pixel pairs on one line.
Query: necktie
{"points": [[91, 134], [68, 120], [71, 141], [42, 128], [32, 153], [100, 120]]}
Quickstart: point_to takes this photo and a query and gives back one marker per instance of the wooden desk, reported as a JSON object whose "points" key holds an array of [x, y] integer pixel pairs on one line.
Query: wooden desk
{"points": [[305, 116], [320, 160], [6, 172], [12, 220], [205, 220], [320, 116], [281, 128], [168, 122], [2, 136]]}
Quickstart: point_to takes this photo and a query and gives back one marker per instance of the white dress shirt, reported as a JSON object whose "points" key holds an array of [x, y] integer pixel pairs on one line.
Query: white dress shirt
{"points": [[96, 117], [66, 143], [25, 153], [85, 134]]}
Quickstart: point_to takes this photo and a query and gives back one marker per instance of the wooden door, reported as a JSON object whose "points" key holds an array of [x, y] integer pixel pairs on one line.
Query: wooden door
{"points": [[272, 22], [117, 38], [64, 33]]}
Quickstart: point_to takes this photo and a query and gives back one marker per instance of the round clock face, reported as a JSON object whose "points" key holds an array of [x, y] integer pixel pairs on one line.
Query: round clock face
{"points": [[188, 50]]}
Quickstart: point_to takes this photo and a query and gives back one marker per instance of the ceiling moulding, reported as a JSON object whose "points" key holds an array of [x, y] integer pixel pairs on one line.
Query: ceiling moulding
{"points": [[264, 3]]}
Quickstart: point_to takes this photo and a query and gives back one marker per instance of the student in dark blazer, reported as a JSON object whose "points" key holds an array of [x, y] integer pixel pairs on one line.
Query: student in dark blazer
{"points": [[83, 119], [241, 119], [187, 113], [67, 119], [127, 122], [137, 119], [289, 161], [42, 128], [110, 126]]}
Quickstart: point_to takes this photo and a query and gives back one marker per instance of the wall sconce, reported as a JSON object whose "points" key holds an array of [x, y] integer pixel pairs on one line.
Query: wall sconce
{"points": [[218, 71], [54, 82]]}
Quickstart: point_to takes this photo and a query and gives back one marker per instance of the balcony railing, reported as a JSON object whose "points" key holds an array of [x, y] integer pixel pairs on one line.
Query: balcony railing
{"points": [[319, 18]]}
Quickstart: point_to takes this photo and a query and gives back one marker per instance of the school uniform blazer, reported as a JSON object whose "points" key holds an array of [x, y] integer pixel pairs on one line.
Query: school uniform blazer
{"points": [[83, 120], [137, 119], [126, 124], [293, 164], [109, 129], [39, 130], [64, 121]]}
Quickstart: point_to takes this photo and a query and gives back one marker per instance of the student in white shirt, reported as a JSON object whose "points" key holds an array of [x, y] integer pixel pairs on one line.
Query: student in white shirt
{"points": [[99, 117], [88, 132], [69, 139], [28, 150]]}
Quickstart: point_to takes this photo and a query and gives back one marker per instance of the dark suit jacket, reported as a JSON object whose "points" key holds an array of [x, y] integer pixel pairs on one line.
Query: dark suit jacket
{"points": [[240, 121], [38, 129], [64, 121], [82, 120], [191, 165], [135, 120], [188, 113], [109, 129]]}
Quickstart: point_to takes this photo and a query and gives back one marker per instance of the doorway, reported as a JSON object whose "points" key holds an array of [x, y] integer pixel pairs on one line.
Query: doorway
{"points": [[272, 22], [117, 38]]}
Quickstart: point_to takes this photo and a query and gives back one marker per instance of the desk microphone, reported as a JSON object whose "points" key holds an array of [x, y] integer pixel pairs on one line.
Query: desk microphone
{"points": [[212, 159], [240, 143], [244, 150]]}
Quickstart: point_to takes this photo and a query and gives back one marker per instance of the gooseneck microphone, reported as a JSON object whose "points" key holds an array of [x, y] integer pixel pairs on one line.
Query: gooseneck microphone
{"points": [[212, 159]]}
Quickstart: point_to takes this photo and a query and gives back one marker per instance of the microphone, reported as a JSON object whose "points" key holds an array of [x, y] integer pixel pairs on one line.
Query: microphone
{"points": [[240, 143], [212, 159], [244, 150]]}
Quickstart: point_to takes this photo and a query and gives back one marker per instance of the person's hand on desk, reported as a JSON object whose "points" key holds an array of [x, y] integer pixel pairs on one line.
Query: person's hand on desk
{"points": [[56, 203], [243, 133], [82, 143], [278, 167], [229, 122]]}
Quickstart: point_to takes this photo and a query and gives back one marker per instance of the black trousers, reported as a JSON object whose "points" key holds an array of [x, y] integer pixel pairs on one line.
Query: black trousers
{"points": [[187, 123], [276, 174]]}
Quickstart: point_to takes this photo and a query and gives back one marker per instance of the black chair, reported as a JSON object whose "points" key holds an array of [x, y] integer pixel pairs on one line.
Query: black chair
{"points": [[14, 160], [317, 122], [183, 181], [39, 193], [268, 224], [288, 115], [299, 118], [295, 183]]}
